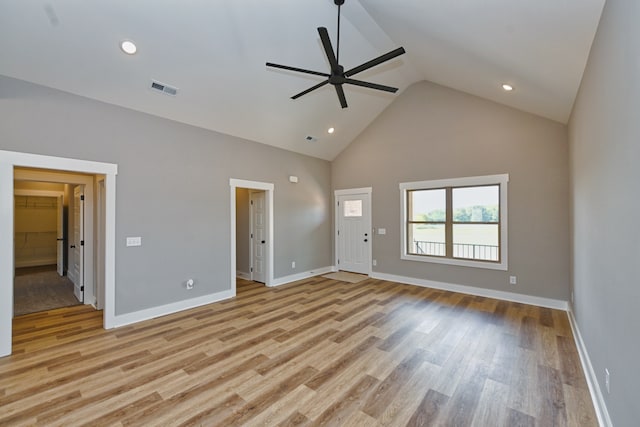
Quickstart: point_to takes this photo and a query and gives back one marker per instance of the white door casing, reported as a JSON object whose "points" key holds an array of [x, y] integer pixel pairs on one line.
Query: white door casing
{"points": [[268, 188], [78, 172], [76, 245], [258, 235], [353, 232], [99, 285]]}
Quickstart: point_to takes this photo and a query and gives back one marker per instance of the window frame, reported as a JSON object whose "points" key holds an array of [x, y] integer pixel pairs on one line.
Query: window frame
{"points": [[477, 181]]}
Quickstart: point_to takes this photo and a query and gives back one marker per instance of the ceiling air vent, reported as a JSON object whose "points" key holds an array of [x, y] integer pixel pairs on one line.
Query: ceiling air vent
{"points": [[169, 90], [310, 138]]}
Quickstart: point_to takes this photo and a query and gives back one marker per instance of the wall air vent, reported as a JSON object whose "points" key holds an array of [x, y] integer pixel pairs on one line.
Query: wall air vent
{"points": [[169, 90]]}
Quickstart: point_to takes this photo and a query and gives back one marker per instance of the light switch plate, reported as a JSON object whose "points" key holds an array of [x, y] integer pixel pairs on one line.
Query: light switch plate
{"points": [[134, 241], [382, 231]]}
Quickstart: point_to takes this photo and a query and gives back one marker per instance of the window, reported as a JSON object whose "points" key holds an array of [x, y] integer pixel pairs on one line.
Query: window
{"points": [[460, 221], [353, 208]]}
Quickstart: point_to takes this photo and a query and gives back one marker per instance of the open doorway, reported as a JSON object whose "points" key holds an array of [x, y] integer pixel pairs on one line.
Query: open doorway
{"points": [[251, 231], [38, 241], [41, 282], [251, 235], [25, 166]]}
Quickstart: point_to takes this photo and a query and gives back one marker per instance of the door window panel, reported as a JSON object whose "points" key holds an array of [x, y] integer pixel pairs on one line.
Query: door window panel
{"points": [[353, 208]]}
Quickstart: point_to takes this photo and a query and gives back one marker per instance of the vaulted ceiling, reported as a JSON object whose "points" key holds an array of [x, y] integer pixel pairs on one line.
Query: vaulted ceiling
{"points": [[215, 51]]}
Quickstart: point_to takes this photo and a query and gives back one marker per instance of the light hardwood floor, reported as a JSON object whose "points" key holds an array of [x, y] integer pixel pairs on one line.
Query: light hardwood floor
{"points": [[317, 352]]}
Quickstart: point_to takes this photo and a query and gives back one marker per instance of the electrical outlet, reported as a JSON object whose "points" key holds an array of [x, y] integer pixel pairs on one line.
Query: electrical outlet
{"points": [[607, 380], [513, 280], [374, 262], [293, 264], [190, 284]]}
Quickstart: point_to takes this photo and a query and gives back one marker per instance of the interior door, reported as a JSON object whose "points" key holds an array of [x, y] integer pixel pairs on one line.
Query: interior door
{"points": [[76, 245], [354, 233], [258, 236], [60, 236]]}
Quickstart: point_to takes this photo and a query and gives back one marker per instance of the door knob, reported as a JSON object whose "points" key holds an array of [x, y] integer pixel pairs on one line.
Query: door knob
{"points": [[263, 242], [365, 240]]}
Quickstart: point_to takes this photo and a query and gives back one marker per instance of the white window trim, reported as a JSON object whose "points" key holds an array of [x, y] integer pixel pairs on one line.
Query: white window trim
{"points": [[501, 179]]}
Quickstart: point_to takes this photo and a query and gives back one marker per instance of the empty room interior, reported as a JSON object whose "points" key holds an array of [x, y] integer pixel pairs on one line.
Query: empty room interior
{"points": [[330, 212]]}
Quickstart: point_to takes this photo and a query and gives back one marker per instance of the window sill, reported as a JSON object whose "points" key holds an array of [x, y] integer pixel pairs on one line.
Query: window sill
{"points": [[458, 262]]}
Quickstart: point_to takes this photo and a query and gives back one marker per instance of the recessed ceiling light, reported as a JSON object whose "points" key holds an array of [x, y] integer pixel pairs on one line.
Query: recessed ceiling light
{"points": [[128, 47], [331, 130], [507, 87]]}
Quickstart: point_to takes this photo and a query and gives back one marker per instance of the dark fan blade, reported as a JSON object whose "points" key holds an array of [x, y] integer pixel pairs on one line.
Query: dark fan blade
{"points": [[299, 70], [371, 85], [331, 56], [379, 60], [341, 97], [304, 92]]}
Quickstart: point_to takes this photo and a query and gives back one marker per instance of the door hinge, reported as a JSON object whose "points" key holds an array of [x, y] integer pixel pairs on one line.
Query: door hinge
{"points": [[82, 197], [338, 261], [252, 235], [82, 288], [251, 269], [338, 232], [252, 202], [81, 242]]}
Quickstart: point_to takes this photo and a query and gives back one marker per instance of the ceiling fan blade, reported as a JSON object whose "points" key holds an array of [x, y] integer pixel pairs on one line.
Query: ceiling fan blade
{"points": [[341, 97], [371, 85], [328, 49], [304, 92], [299, 70], [377, 61]]}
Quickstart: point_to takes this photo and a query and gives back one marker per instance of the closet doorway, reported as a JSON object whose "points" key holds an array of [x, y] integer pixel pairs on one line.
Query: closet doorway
{"points": [[40, 279]]}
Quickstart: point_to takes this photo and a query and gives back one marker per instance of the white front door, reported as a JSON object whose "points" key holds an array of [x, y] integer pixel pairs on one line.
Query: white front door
{"points": [[258, 235], [60, 236], [354, 232], [76, 245]]}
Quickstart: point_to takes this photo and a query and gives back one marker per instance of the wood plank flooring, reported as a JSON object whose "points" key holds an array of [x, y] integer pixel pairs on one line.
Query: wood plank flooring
{"points": [[313, 353]]}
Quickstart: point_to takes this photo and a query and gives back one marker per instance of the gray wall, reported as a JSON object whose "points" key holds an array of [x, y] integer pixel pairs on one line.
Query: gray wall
{"points": [[243, 229], [173, 190], [604, 135], [432, 132]]}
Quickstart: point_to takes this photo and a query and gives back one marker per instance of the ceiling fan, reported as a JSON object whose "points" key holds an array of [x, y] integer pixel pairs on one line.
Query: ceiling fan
{"points": [[338, 76]]}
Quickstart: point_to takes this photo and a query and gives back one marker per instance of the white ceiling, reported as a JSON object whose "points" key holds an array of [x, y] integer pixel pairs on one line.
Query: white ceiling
{"points": [[215, 51]]}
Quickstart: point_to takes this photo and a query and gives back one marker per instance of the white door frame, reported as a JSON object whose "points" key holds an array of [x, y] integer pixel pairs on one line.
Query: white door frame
{"points": [[268, 189], [99, 248], [336, 222], [8, 161]]}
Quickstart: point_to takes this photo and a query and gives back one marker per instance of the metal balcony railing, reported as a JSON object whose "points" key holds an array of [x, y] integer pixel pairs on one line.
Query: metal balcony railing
{"points": [[460, 250]]}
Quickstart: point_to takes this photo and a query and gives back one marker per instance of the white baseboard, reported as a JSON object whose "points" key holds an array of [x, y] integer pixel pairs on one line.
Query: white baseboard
{"points": [[472, 290], [163, 310], [299, 276], [243, 275], [592, 379]]}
